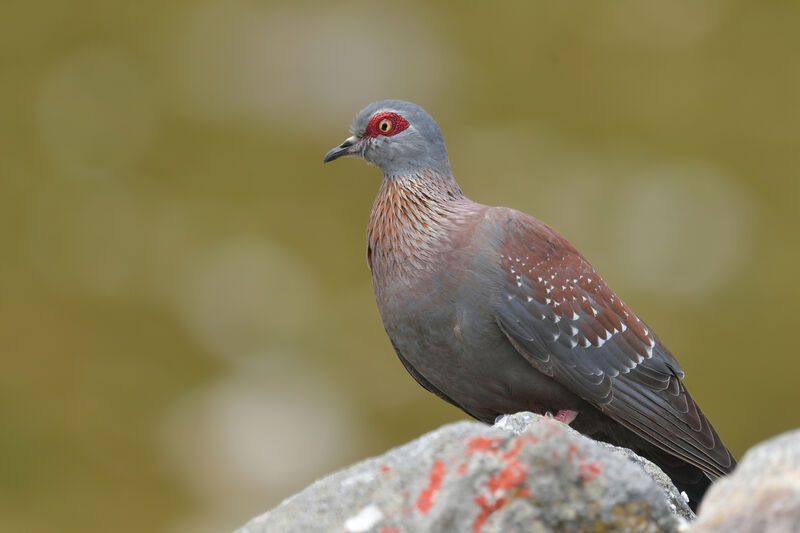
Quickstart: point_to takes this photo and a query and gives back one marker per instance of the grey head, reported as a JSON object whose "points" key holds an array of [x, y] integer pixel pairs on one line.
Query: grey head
{"points": [[398, 137]]}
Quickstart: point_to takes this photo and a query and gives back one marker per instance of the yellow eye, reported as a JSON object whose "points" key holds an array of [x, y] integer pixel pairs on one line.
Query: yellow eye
{"points": [[385, 125]]}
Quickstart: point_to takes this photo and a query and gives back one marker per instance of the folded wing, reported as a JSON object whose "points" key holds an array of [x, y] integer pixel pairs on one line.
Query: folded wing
{"points": [[563, 318]]}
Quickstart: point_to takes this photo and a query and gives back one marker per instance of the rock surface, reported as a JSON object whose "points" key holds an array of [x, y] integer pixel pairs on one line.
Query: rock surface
{"points": [[526, 473], [762, 494]]}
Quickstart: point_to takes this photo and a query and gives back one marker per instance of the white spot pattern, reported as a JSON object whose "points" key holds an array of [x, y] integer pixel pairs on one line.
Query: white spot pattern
{"points": [[595, 301]]}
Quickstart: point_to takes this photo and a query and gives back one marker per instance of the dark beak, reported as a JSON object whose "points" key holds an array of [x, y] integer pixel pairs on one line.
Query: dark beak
{"points": [[342, 149]]}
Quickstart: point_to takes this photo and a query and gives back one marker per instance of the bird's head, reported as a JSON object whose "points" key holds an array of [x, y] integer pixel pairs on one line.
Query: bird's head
{"points": [[398, 137]]}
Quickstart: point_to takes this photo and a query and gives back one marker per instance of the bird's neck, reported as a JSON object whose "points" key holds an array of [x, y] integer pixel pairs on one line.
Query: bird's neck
{"points": [[411, 220]]}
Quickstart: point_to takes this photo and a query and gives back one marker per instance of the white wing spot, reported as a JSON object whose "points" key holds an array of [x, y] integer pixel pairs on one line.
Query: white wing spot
{"points": [[575, 316], [572, 342], [600, 341]]}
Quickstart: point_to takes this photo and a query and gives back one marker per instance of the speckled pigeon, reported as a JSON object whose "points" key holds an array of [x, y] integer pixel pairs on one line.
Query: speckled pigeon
{"points": [[493, 311]]}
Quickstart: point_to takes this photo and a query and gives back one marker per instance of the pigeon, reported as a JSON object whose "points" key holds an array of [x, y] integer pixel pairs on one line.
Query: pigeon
{"points": [[495, 312]]}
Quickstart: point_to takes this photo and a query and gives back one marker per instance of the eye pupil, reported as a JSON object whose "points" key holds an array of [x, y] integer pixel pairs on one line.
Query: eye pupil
{"points": [[385, 125]]}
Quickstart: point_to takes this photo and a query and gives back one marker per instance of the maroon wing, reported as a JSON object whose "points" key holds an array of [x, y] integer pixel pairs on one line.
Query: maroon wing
{"points": [[563, 318]]}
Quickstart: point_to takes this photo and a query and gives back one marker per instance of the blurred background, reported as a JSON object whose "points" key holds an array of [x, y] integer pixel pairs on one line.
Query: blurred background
{"points": [[187, 327]]}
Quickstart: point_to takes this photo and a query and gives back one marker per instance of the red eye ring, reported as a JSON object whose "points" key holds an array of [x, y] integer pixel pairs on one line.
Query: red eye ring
{"points": [[385, 124]]}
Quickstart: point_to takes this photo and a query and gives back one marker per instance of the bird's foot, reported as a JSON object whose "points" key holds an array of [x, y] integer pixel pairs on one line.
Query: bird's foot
{"points": [[565, 416]]}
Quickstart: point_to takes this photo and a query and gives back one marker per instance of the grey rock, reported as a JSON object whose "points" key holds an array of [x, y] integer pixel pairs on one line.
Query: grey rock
{"points": [[526, 473], [677, 501], [762, 494]]}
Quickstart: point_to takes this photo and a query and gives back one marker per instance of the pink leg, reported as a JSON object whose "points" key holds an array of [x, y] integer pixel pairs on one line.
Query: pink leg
{"points": [[566, 416]]}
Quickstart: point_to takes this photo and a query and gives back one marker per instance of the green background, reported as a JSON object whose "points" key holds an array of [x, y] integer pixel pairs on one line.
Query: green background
{"points": [[187, 329]]}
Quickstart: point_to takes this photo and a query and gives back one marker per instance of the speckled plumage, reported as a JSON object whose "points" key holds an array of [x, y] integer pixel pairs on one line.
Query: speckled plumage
{"points": [[410, 219], [495, 312]]}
